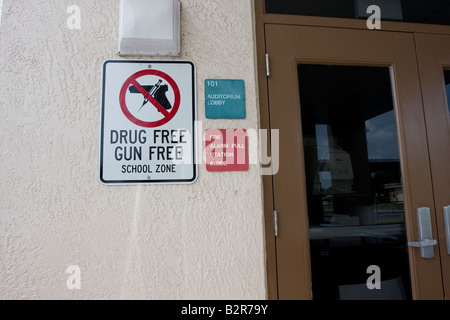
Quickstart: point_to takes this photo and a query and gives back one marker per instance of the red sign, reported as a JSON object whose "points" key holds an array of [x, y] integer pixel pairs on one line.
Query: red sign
{"points": [[133, 82], [226, 150]]}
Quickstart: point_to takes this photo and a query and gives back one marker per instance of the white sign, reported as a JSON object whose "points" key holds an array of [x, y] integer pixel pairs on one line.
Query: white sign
{"points": [[147, 122]]}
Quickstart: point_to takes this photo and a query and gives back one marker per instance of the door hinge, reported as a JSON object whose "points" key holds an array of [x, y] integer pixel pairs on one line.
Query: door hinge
{"points": [[275, 223], [267, 65]]}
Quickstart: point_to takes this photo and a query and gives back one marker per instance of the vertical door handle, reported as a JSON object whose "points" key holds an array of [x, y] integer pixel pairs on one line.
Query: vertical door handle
{"points": [[426, 242], [447, 226]]}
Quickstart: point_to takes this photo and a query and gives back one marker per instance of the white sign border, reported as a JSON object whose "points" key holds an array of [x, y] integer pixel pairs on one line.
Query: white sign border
{"points": [[194, 128]]}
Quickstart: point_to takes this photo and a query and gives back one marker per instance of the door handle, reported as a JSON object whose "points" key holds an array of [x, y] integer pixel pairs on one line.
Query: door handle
{"points": [[426, 242], [447, 226]]}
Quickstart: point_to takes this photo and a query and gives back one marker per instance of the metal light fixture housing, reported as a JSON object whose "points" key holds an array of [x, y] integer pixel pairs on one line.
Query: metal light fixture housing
{"points": [[149, 28]]}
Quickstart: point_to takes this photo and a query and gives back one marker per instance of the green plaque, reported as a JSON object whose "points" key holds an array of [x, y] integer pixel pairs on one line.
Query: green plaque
{"points": [[224, 99]]}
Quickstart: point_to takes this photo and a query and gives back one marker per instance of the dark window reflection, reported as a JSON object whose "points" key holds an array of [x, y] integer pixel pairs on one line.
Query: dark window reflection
{"points": [[417, 11], [354, 184]]}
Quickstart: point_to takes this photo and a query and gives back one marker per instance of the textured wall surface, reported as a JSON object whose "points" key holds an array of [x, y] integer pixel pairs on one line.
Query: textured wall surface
{"points": [[199, 241]]}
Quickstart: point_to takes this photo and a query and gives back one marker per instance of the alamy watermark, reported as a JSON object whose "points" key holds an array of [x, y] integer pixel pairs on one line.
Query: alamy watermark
{"points": [[74, 20], [374, 280], [374, 21], [74, 280], [130, 147]]}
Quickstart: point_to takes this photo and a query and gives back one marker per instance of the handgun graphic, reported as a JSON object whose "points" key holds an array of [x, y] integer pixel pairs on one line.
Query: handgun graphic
{"points": [[157, 91]]}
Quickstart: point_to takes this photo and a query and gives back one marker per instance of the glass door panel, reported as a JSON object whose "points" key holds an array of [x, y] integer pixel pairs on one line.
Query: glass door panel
{"points": [[354, 164], [354, 183]]}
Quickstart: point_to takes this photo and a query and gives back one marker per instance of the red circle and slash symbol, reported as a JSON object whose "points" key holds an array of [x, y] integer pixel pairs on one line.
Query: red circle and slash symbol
{"points": [[167, 116]]}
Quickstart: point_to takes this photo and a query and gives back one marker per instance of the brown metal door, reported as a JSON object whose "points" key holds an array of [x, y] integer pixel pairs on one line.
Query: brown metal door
{"points": [[433, 52], [342, 203]]}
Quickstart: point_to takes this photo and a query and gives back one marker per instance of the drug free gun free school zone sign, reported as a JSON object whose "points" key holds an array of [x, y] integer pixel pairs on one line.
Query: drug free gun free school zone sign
{"points": [[147, 122]]}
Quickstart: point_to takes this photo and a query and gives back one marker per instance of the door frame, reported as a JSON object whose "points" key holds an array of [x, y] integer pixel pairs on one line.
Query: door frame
{"points": [[261, 19], [433, 58]]}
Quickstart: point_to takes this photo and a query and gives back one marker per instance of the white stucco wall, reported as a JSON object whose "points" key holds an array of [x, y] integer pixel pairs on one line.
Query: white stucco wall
{"points": [[199, 241]]}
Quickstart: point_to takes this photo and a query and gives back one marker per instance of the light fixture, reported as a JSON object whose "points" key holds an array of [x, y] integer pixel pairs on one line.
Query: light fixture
{"points": [[149, 27]]}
